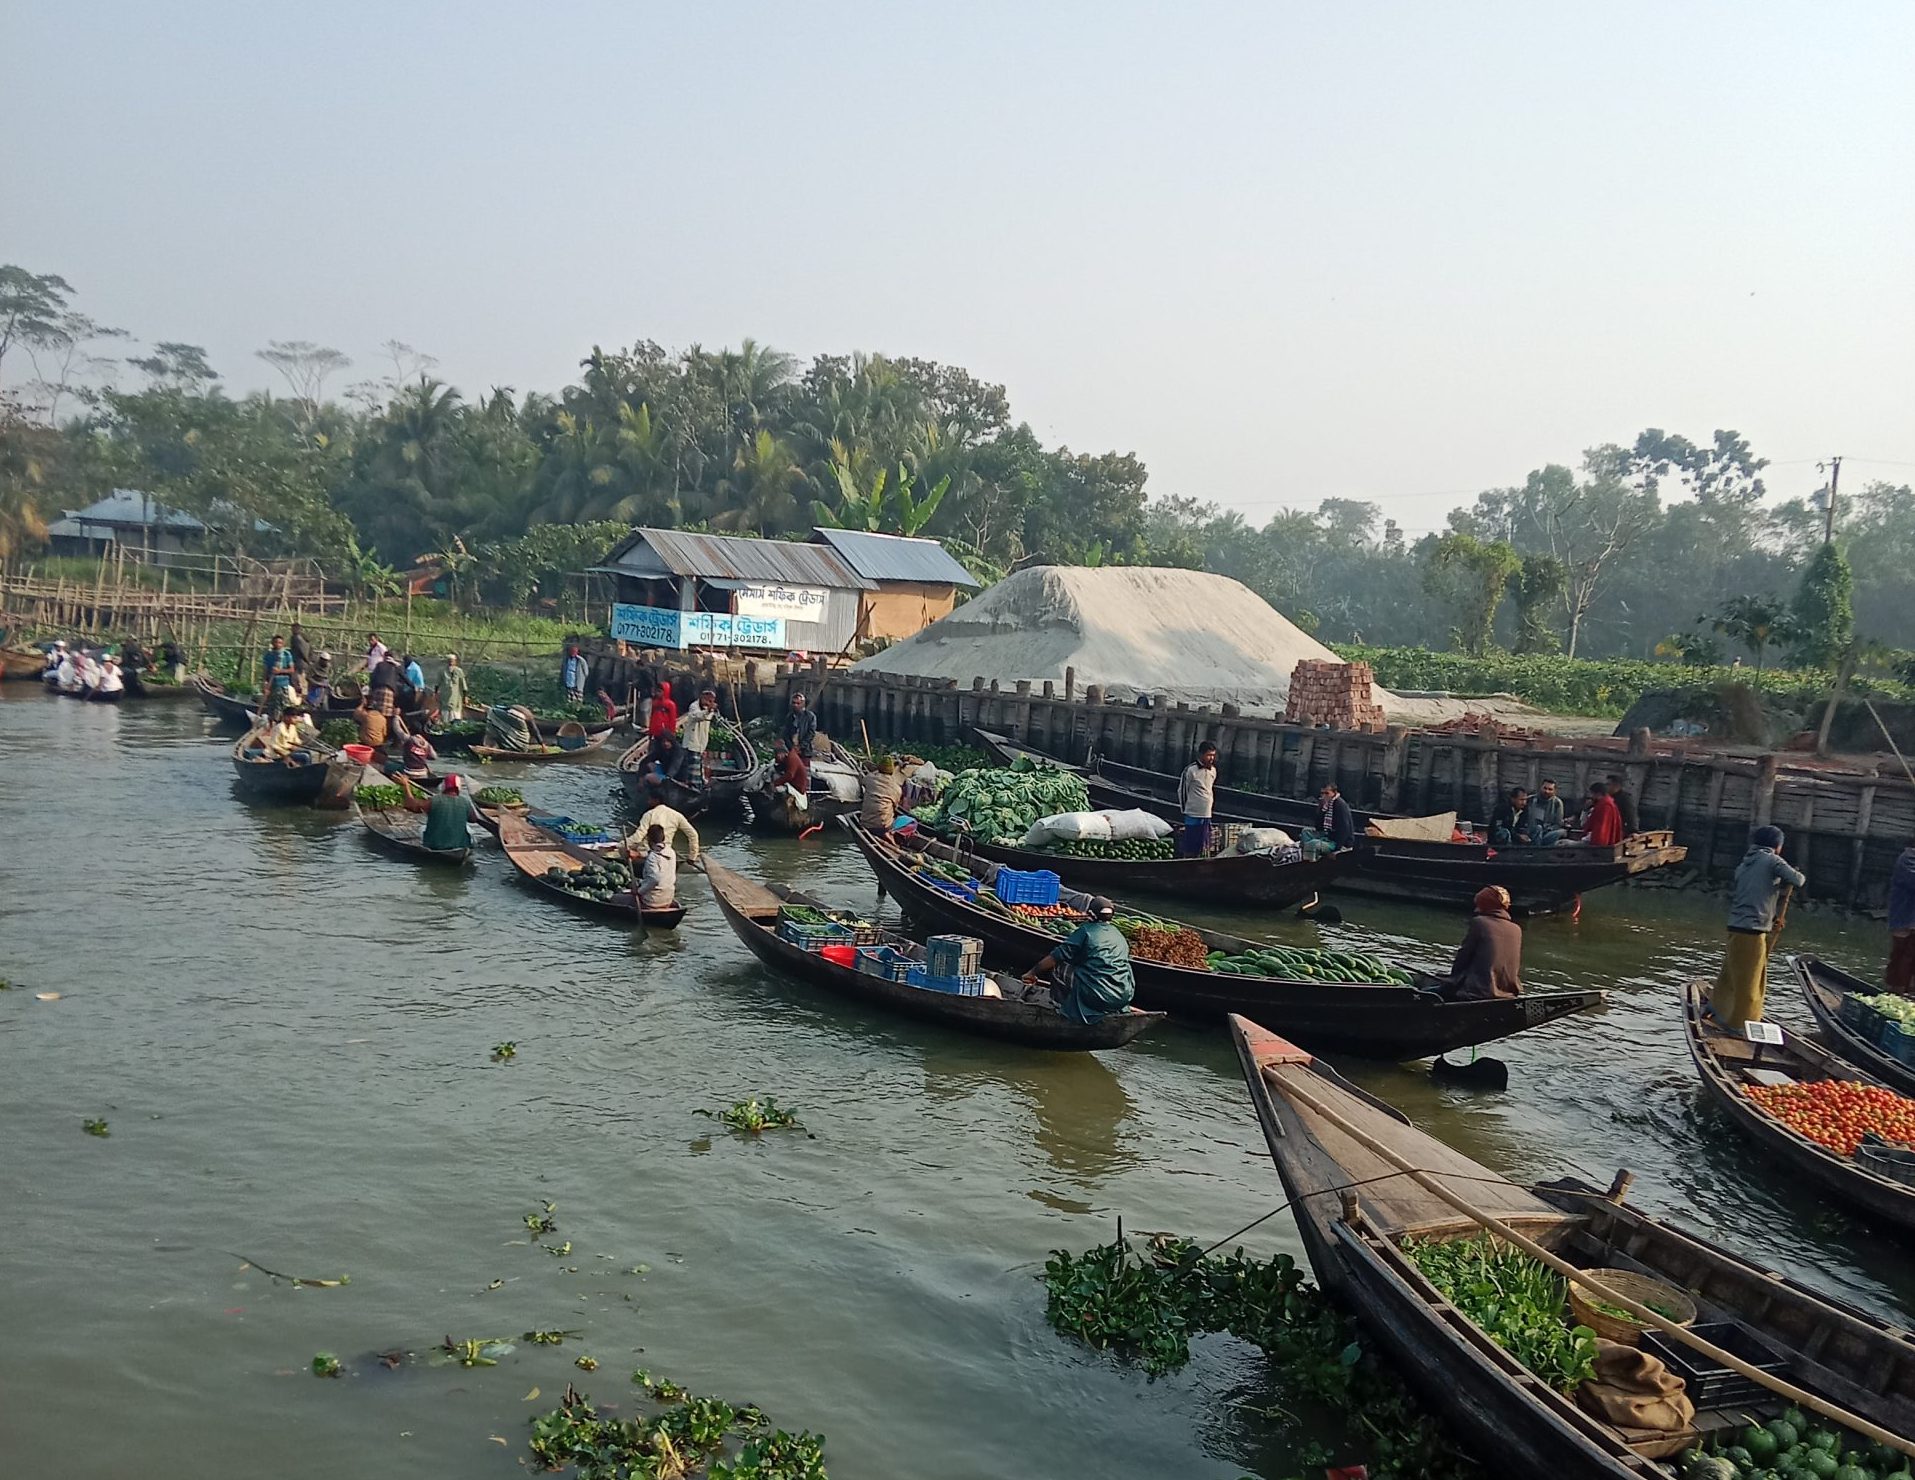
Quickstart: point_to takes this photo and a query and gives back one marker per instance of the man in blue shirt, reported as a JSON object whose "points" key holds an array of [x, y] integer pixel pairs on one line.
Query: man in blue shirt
{"points": [[416, 676], [573, 673], [277, 674]]}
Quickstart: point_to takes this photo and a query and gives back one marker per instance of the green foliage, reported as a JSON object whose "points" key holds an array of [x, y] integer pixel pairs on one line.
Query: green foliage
{"points": [[1518, 1301], [1540, 581], [95, 1128], [325, 1364], [1470, 576], [338, 732], [1149, 1304], [754, 1116], [1604, 688], [687, 1438], [1823, 618], [1756, 622]]}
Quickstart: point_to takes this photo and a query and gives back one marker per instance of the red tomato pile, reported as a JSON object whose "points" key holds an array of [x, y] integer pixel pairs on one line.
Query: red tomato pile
{"points": [[1836, 1112]]}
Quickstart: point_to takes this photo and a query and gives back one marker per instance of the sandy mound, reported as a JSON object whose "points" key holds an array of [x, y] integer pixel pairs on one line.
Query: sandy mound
{"points": [[1199, 638]]}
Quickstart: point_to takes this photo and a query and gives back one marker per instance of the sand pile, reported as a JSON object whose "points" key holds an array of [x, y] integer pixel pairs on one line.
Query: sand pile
{"points": [[1185, 634]]}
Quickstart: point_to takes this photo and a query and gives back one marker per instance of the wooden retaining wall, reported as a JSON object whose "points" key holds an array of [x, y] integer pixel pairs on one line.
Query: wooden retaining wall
{"points": [[1845, 828]]}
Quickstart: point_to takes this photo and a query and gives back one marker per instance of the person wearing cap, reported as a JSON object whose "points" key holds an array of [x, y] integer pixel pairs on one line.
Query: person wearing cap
{"points": [[56, 655], [451, 690], [449, 819], [1090, 968], [694, 726], [676, 825], [1489, 962], [319, 681], [1754, 900]]}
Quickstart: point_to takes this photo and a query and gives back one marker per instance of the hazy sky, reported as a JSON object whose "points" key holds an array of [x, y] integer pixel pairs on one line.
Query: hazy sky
{"points": [[1390, 251]]}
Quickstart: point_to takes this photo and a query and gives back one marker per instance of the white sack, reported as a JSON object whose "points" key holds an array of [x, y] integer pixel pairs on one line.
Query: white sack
{"points": [[1136, 824], [1069, 827], [1263, 840]]}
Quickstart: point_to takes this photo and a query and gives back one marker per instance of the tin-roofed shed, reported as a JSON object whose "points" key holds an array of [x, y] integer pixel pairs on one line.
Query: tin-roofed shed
{"points": [[915, 580]]}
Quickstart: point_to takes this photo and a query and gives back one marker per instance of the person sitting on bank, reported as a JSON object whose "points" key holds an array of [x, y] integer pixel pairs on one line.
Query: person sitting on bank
{"points": [[511, 727], [1508, 826], [1090, 968], [1742, 984], [1197, 801], [1602, 821], [882, 791], [1900, 976], [291, 736], [1544, 818], [1625, 801], [676, 825], [1339, 826], [449, 819], [658, 878], [1489, 962]]}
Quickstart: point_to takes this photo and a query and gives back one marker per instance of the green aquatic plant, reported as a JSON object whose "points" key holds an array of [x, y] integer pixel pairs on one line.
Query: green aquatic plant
{"points": [[585, 1364], [548, 1338], [472, 1352], [688, 1438], [504, 1052], [95, 1128], [325, 1364], [543, 1222], [755, 1116]]}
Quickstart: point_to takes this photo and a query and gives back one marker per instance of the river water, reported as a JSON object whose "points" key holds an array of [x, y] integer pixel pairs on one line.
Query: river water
{"points": [[290, 1036]]}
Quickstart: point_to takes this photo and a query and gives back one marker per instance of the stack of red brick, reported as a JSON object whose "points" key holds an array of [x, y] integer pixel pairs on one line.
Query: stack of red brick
{"points": [[1340, 695], [1488, 727]]}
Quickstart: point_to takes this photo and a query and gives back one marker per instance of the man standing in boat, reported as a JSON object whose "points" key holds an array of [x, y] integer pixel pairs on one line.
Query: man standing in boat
{"points": [[1090, 968], [801, 728], [1742, 984], [1900, 976], [1197, 800]]}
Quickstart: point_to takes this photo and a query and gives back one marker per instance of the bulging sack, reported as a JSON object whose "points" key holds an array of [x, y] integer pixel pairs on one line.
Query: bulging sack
{"points": [[1263, 840], [1069, 827], [1136, 825]]}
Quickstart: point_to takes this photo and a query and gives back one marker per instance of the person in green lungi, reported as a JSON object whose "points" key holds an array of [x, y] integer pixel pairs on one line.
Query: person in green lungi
{"points": [[449, 818], [1742, 984], [1090, 967]]}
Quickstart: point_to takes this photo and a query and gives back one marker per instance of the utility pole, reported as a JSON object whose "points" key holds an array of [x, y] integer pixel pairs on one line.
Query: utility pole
{"points": [[1834, 466]]}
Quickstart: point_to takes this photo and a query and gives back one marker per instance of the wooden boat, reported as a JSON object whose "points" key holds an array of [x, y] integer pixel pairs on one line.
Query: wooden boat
{"points": [[1021, 1015], [1825, 987], [837, 790], [1539, 880], [401, 830], [234, 712], [1728, 1063], [1390, 1022], [22, 663], [1226, 879], [724, 783], [532, 850], [574, 742], [279, 781], [1354, 1206]]}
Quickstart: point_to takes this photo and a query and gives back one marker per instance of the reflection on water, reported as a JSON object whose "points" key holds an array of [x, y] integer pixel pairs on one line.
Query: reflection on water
{"points": [[290, 1033]]}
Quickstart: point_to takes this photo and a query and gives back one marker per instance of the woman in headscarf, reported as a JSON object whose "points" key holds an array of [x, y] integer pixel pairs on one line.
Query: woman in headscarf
{"points": [[1489, 962], [1754, 900]]}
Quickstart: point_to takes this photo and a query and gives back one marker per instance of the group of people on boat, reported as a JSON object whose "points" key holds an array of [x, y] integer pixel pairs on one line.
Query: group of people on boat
{"points": [[1522, 820], [85, 674]]}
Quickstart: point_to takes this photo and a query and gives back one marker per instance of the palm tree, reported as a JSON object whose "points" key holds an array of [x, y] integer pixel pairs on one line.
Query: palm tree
{"points": [[757, 496]]}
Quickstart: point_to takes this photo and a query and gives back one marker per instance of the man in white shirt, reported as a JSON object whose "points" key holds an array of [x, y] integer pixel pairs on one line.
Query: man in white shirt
{"points": [[1196, 799], [658, 880], [694, 728]]}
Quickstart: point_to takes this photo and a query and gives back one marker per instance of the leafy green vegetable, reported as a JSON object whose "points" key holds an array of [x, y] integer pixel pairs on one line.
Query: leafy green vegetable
{"points": [[1517, 1301], [379, 797]]}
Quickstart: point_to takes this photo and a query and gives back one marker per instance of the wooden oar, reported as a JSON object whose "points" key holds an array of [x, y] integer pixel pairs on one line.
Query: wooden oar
{"points": [[1592, 1283]]}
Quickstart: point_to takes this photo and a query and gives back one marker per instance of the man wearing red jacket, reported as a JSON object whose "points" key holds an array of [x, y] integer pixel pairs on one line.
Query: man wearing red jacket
{"points": [[1602, 823]]}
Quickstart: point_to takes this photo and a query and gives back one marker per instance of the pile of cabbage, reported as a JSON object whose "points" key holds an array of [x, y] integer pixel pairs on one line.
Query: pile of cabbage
{"points": [[1000, 805]]}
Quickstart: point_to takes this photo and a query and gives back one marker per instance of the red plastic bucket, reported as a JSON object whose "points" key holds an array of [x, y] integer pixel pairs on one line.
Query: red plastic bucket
{"points": [[840, 955], [360, 753]]}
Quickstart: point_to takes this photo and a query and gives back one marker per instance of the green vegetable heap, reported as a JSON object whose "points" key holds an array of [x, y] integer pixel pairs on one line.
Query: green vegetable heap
{"points": [[1293, 963], [1792, 1447], [1895, 1008], [1135, 850], [1517, 1301], [1000, 805], [501, 796], [599, 881], [379, 798]]}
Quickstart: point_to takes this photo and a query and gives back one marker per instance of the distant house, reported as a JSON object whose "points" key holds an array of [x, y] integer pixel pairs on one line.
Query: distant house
{"points": [[129, 518], [134, 521], [915, 580], [680, 590]]}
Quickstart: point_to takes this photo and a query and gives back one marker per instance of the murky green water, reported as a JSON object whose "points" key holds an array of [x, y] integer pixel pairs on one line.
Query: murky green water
{"points": [[289, 1034]]}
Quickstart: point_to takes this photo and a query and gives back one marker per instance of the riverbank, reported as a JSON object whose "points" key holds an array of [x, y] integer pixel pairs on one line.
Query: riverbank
{"points": [[290, 1036]]}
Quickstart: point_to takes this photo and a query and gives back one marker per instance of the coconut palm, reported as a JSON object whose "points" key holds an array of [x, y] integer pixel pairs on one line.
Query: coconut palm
{"points": [[759, 495]]}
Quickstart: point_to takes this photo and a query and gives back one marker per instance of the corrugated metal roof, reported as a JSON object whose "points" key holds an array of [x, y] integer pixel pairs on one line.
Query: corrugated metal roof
{"points": [[655, 552], [130, 506], [896, 557]]}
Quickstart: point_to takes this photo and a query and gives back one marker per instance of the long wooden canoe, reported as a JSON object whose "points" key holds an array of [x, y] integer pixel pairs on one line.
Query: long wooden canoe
{"points": [[1727, 1061], [532, 850], [400, 831], [1022, 1015], [1394, 1023], [722, 786], [276, 780], [1250, 879], [583, 744], [1539, 880], [22, 663], [1353, 1208], [1825, 986]]}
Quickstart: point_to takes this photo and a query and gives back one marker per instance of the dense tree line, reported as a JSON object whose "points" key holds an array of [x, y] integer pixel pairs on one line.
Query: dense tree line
{"points": [[1662, 546]]}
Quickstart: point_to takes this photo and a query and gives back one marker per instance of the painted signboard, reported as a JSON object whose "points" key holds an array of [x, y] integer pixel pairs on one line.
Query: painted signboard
{"points": [[659, 627], [789, 603]]}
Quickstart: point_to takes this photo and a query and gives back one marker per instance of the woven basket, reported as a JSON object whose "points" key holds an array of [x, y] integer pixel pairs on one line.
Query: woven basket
{"points": [[1639, 1288]]}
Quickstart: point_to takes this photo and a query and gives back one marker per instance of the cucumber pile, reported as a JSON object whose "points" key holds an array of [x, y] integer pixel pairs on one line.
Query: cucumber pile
{"points": [[1136, 850], [1792, 1447], [1293, 963]]}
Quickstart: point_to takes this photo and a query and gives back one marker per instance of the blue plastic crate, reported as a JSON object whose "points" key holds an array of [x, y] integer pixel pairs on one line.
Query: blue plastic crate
{"points": [[1027, 886], [966, 984], [882, 961], [1898, 1043]]}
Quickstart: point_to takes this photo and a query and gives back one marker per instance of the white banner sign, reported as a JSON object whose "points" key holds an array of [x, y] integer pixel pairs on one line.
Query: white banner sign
{"points": [[791, 603]]}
